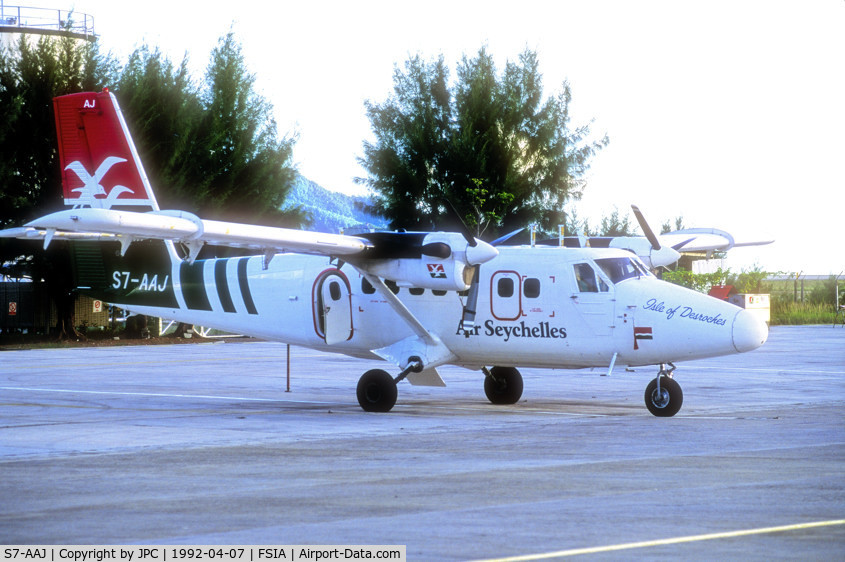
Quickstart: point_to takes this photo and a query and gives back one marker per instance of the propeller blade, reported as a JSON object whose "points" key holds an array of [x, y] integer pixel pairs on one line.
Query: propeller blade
{"points": [[461, 225], [468, 318], [649, 234], [678, 247], [437, 250], [502, 239]]}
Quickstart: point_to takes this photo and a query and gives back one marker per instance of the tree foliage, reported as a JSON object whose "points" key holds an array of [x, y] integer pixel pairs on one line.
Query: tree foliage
{"points": [[670, 226], [489, 143], [212, 149], [245, 167], [616, 225], [701, 282], [31, 74]]}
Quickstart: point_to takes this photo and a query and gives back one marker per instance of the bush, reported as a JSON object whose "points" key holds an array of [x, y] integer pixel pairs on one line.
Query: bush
{"points": [[701, 282], [786, 312]]}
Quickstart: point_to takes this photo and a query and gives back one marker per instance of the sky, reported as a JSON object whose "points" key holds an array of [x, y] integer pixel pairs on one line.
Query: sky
{"points": [[730, 114]]}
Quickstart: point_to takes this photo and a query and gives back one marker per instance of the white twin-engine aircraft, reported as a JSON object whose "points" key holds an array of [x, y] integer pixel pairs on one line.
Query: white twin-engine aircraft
{"points": [[417, 300]]}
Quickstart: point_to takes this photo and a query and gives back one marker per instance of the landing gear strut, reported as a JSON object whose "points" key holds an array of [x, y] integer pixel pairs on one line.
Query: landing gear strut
{"points": [[663, 395], [502, 385]]}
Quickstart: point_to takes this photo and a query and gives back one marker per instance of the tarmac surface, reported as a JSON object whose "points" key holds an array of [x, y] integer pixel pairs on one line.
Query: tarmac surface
{"points": [[201, 444]]}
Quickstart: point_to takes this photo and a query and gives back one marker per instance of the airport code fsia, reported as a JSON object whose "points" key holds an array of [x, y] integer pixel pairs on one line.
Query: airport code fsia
{"points": [[313, 553]]}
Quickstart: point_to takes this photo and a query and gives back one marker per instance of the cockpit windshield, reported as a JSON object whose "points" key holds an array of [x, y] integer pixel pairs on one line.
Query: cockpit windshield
{"points": [[619, 269]]}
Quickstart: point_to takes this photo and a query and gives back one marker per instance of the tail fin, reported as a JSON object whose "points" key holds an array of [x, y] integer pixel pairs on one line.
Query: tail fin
{"points": [[100, 166]]}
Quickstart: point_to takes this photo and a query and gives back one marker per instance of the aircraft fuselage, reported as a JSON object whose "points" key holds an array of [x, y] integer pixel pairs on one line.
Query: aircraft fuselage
{"points": [[533, 309]]}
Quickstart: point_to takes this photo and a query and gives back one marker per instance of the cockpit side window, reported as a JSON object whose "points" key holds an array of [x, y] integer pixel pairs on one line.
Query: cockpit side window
{"points": [[619, 269], [586, 278]]}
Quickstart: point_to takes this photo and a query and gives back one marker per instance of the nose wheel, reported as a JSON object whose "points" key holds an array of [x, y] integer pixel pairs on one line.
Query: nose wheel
{"points": [[663, 395]]}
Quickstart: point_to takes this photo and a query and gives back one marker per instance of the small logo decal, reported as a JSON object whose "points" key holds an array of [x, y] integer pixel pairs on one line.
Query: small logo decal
{"points": [[92, 193], [436, 270], [641, 333]]}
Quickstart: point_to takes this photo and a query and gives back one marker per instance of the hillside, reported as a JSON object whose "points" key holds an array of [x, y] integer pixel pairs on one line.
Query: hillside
{"points": [[331, 211]]}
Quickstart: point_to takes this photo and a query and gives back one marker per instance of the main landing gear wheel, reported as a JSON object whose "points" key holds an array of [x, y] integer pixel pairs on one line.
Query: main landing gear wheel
{"points": [[377, 391], [665, 401], [503, 385]]}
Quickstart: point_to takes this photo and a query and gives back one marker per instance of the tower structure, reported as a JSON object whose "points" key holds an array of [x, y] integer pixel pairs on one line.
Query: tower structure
{"points": [[35, 22]]}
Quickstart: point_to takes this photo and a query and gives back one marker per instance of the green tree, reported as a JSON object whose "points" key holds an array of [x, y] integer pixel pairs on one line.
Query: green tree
{"points": [[243, 167], [212, 149], [574, 226], [701, 282], [489, 144], [614, 225], [162, 107], [669, 226], [31, 74], [748, 280]]}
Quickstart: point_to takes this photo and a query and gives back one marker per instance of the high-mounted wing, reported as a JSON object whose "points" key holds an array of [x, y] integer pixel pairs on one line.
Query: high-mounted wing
{"points": [[437, 260], [103, 179], [183, 227], [705, 240]]}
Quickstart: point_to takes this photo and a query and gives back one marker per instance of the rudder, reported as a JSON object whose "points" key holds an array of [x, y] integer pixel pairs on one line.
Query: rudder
{"points": [[100, 165]]}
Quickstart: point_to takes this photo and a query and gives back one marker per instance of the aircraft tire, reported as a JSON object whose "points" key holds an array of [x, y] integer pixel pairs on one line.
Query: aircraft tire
{"points": [[377, 391], [668, 402], [503, 385]]}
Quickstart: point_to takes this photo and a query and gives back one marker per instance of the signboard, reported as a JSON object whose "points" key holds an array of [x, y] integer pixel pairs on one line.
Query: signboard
{"points": [[13, 308], [98, 306]]}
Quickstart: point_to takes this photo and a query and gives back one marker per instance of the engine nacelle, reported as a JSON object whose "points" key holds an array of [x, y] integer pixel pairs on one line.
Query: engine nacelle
{"points": [[426, 273], [445, 262]]}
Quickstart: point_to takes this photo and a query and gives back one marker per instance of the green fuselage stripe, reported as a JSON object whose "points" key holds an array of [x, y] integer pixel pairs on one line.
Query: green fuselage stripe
{"points": [[193, 286], [244, 285], [223, 285]]}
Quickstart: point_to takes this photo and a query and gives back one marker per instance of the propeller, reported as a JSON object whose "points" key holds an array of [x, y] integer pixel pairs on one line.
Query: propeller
{"points": [[659, 255], [506, 237], [468, 315], [461, 225], [649, 234]]}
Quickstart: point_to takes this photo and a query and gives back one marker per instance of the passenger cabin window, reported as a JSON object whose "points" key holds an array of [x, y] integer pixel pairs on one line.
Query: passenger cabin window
{"points": [[531, 288], [417, 291], [367, 287], [334, 290], [588, 281], [505, 287]]}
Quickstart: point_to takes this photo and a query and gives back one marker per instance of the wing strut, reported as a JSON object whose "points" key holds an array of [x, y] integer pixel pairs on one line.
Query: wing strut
{"points": [[423, 347]]}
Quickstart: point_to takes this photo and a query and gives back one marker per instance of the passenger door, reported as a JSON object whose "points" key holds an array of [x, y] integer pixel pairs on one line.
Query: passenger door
{"points": [[506, 295], [593, 298], [333, 308]]}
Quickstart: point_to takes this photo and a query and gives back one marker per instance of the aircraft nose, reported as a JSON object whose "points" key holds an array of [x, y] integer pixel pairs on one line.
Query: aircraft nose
{"points": [[749, 331]]}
